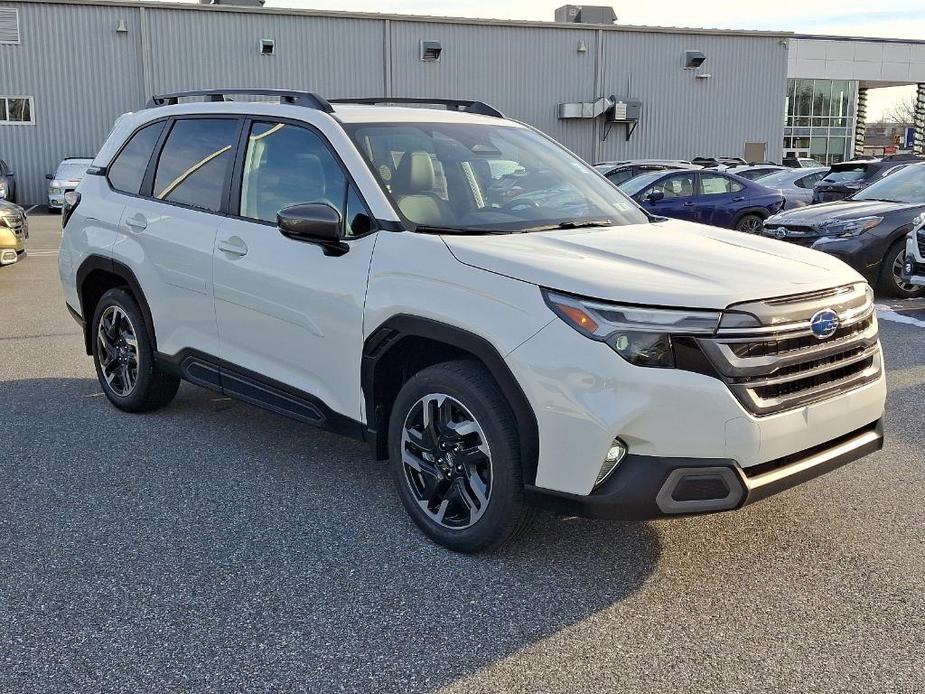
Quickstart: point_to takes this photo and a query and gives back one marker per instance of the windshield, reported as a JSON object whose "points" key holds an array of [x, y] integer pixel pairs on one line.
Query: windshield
{"points": [[634, 185], [852, 173], [906, 185], [487, 178], [73, 170]]}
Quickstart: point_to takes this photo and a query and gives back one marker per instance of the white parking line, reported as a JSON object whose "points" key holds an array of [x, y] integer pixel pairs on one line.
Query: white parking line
{"points": [[41, 252], [888, 314]]}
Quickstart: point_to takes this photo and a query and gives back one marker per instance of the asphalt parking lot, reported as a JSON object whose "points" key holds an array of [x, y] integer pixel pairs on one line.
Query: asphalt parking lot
{"points": [[212, 546]]}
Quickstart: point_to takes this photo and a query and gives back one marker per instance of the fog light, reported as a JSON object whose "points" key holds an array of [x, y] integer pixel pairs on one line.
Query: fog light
{"points": [[615, 456]]}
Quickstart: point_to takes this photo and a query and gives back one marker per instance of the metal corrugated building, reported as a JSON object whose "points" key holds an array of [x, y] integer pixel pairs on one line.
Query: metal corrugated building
{"points": [[82, 70]]}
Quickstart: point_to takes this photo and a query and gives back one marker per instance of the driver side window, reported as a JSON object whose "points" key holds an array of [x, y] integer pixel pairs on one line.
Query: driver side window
{"points": [[677, 186], [288, 165]]}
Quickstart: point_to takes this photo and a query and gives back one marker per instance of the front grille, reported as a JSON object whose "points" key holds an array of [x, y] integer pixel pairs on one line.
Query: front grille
{"points": [[920, 237], [15, 224], [781, 364]]}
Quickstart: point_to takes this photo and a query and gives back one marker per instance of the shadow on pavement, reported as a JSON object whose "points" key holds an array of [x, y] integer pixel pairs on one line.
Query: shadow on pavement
{"points": [[213, 546]]}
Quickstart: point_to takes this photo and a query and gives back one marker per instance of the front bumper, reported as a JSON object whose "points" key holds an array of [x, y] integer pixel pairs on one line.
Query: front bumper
{"points": [[645, 487], [584, 395]]}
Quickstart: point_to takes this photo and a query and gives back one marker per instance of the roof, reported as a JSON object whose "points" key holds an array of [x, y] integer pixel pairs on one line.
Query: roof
{"points": [[195, 7]]}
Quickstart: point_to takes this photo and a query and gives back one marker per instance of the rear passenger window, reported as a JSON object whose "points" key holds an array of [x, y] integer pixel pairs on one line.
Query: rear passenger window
{"points": [[288, 165], [712, 184], [128, 169], [195, 161]]}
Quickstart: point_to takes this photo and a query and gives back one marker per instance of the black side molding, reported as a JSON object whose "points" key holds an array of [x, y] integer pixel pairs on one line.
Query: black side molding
{"points": [[208, 371]]}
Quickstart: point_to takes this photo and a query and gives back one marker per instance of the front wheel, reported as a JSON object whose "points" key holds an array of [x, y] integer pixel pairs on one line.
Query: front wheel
{"points": [[750, 224], [891, 282], [455, 457], [123, 354]]}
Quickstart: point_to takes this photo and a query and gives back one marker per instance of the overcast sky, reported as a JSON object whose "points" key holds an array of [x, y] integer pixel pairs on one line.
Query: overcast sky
{"points": [[890, 18]]}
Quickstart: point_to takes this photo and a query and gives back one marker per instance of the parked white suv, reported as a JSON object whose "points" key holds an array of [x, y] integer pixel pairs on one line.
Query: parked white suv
{"points": [[914, 264], [485, 309]]}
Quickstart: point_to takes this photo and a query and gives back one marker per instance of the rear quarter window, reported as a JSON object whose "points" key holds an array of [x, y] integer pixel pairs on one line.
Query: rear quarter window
{"points": [[128, 169]]}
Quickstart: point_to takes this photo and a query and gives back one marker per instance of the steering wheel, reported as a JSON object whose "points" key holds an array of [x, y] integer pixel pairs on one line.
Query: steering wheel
{"points": [[512, 205]]}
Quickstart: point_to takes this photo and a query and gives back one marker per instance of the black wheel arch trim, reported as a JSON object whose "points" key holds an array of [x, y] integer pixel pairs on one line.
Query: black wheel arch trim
{"points": [[121, 270], [390, 332]]}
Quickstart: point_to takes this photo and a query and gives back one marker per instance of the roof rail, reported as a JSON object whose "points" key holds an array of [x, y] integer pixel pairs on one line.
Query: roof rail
{"points": [[286, 96], [477, 107]]}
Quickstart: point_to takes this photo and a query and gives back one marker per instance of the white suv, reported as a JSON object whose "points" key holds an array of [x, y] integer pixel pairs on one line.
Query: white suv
{"points": [[914, 264], [495, 318]]}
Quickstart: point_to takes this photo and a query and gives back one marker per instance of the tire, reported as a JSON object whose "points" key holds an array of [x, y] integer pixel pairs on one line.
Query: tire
{"points": [[151, 388], [889, 283], [468, 392], [749, 223]]}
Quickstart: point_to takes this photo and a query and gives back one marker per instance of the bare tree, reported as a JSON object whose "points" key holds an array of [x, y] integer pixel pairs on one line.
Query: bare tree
{"points": [[903, 111]]}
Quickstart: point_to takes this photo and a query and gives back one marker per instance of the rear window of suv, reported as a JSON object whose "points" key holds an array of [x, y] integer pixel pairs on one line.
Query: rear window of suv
{"points": [[846, 173]]}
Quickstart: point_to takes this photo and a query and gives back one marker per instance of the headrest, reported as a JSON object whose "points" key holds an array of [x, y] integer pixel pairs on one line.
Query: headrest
{"points": [[416, 173]]}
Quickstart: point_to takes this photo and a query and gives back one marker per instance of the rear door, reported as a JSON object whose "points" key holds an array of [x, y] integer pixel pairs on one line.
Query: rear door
{"points": [[718, 200], [169, 229], [289, 314]]}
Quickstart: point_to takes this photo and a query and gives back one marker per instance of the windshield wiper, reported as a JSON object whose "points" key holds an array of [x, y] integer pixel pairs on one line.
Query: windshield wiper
{"points": [[572, 225], [425, 229]]}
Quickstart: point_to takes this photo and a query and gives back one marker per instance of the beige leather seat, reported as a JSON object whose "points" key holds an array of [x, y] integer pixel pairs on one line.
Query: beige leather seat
{"points": [[414, 185]]}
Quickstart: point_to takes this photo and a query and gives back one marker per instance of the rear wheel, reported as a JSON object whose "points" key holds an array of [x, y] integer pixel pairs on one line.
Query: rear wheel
{"points": [[891, 282], [750, 223], [123, 354], [455, 457]]}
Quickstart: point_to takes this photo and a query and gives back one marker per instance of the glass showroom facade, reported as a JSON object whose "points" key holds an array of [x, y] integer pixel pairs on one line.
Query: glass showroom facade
{"points": [[820, 119]]}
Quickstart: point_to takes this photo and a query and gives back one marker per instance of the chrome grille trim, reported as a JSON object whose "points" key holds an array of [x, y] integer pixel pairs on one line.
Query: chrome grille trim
{"points": [[780, 365], [920, 236]]}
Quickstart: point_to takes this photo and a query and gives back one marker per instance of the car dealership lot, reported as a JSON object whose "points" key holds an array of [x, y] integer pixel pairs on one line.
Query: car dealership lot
{"points": [[215, 547]]}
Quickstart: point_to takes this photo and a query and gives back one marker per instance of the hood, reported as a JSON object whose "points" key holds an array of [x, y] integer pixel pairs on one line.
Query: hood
{"points": [[670, 263], [841, 210]]}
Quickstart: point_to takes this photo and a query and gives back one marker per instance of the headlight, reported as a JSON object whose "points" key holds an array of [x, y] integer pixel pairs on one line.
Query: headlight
{"points": [[3, 189], [853, 227], [639, 334]]}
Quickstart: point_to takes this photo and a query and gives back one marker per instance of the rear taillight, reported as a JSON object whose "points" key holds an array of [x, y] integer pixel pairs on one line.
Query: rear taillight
{"points": [[71, 201]]}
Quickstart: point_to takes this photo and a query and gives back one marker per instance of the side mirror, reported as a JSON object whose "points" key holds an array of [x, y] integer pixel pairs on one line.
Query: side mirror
{"points": [[315, 222], [655, 196], [49, 177]]}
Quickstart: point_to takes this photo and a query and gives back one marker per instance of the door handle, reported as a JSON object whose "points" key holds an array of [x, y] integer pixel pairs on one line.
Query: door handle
{"points": [[138, 222], [738, 199], [233, 246], [688, 204]]}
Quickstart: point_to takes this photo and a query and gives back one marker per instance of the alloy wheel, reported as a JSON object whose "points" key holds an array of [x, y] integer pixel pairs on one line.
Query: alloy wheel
{"points": [[750, 225], [118, 350], [898, 262], [446, 461]]}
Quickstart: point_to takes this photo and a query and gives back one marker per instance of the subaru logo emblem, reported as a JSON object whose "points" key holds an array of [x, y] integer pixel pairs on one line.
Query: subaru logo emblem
{"points": [[781, 233], [824, 324]]}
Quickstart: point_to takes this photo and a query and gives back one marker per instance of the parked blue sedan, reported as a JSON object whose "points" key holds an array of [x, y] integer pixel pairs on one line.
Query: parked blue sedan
{"points": [[709, 197]]}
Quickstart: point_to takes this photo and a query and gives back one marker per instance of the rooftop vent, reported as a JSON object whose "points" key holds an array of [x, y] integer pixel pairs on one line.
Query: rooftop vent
{"points": [[585, 14], [241, 3]]}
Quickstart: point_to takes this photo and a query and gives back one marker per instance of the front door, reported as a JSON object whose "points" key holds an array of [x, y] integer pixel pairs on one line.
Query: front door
{"points": [[678, 192], [286, 311]]}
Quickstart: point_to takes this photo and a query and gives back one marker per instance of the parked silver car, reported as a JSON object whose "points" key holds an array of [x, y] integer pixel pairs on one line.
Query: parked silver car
{"points": [[796, 185], [66, 177]]}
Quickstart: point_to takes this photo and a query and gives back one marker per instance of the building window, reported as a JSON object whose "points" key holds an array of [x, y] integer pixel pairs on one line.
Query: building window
{"points": [[9, 25], [820, 119], [16, 110]]}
